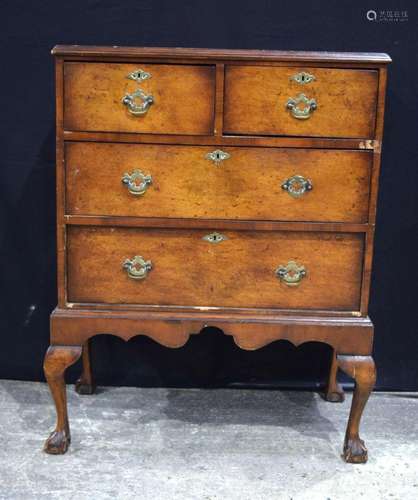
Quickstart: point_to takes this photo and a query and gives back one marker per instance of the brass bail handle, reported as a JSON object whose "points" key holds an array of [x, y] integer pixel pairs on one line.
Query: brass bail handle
{"points": [[139, 102], [301, 112], [297, 186], [131, 101], [137, 267], [291, 274], [137, 182]]}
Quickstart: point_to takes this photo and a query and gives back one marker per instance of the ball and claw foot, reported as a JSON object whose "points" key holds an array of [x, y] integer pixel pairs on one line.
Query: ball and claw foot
{"points": [[335, 396], [333, 391], [85, 384], [355, 451], [57, 443], [84, 388]]}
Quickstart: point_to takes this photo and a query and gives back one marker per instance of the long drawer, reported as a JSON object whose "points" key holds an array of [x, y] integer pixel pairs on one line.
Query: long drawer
{"points": [[262, 269], [151, 98], [248, 183], [313, 102]]}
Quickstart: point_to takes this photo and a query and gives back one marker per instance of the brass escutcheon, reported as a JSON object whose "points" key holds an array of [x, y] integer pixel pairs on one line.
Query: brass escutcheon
{"points": [[214, 237], [217, 156], [138, 75], [303, 78]]}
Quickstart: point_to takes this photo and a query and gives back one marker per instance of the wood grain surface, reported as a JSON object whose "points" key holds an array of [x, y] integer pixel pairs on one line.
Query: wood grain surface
{"points": [[238, 272], [256, 97], [185, 184], [249, 330], [184, 98], [90, 52]]}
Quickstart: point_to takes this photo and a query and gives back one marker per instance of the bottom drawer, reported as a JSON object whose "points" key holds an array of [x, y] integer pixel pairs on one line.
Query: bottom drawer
{"points": [[180, 267]]}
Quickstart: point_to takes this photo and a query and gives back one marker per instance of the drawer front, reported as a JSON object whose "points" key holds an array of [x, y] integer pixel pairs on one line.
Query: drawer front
{"points": [[246, 269], [252, 183], [183, 98], [269, 101]]}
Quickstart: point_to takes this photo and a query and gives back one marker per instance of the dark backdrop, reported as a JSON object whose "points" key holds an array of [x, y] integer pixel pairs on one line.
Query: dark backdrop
{"points": [[28, 30]]}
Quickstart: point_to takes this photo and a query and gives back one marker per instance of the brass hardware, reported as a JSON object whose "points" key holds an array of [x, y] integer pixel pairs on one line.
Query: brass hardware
{"points": [[214, 237], [137, 268], [131, 102], [217, 156], [139, 75], [138, 103], [303, 78], [297, 185], [131, 181], [291, 274], [301, 113], [370, 144]]}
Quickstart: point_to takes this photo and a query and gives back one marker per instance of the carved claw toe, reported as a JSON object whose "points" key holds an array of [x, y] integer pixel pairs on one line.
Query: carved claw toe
{"points": [[57, 443], [84, 389], [355, 451]]}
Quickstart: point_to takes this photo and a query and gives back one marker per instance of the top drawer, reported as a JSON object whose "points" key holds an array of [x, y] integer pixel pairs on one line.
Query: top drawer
{"points": [[310, 102], [183, 98]]}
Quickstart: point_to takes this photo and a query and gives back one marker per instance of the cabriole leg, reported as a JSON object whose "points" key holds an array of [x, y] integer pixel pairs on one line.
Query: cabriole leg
{"points": [[362, 370], [57, 360], [85, 384], [333, 392]]}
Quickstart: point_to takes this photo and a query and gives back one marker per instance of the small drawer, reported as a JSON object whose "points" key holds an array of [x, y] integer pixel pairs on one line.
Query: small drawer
{"points": [[181, 267], [311, 102], [248, 183], [145, 98]]}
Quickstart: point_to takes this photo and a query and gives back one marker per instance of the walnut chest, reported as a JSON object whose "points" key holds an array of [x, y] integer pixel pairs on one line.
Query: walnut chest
{"points": [[234, 189]]}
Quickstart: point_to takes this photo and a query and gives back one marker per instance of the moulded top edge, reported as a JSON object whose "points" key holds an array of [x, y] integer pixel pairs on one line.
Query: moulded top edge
{"points": [[219, 54]]}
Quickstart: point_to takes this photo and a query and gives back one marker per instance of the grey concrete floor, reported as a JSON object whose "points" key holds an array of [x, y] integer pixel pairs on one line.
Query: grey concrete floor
{"points": [[130, 443]]}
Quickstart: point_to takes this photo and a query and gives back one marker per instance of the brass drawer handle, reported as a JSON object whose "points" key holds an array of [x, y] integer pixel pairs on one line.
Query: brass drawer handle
{"points": [[137, 268], [138, 103], [134, 187], [291, 274], [297, 185], [304, 112]]}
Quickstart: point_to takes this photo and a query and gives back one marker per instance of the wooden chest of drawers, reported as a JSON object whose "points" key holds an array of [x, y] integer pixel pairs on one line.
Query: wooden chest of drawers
{"points": [[234, 189]]}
